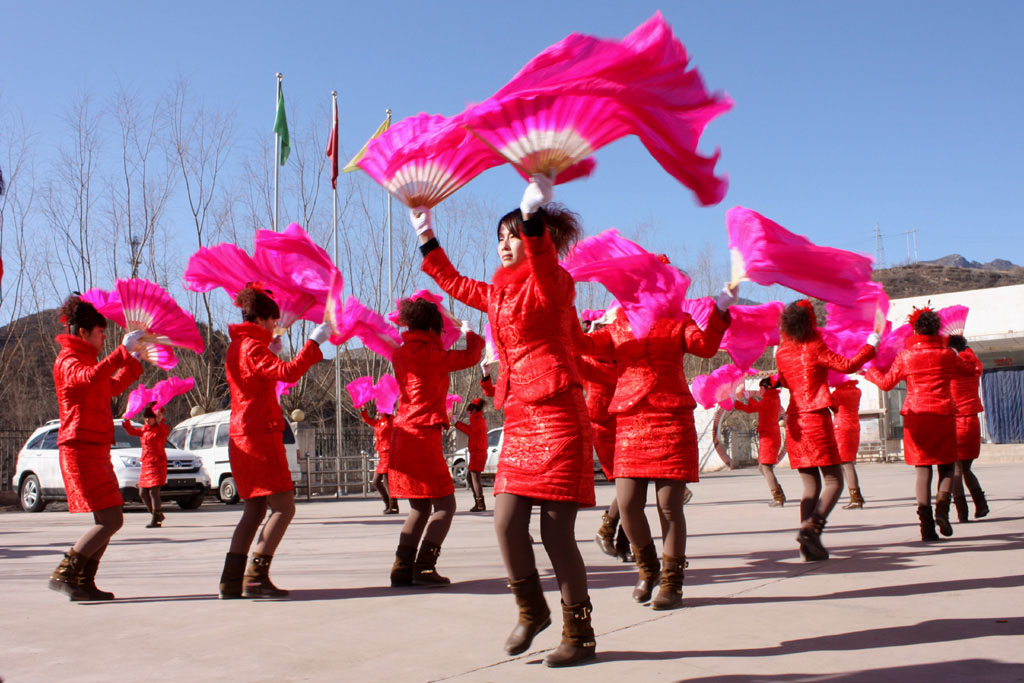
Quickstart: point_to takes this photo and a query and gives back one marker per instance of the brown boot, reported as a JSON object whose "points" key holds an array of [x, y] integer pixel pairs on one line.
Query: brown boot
{"points": [[67, 577], [231, 576], [392, 507], [809, 538], [980, 503], [856, 500], [650, 571], [962, 513], [88, 581], [401, 570], [478, 504], [942, 501], [256, 583], [578, 644], [534, 614], [424, 569], [670, 591], [778, 498], [622, 548], [605, 538], [924, 513]]}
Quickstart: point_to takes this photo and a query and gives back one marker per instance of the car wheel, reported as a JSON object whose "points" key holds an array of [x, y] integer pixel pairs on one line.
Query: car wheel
{"points": [[459, 472], [193, 502], [31, 495], [227, 493]]}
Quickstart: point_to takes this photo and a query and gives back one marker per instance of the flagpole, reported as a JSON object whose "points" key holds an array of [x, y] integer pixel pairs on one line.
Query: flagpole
{"points": [[391, 277], [337, 349], [277, 147]]}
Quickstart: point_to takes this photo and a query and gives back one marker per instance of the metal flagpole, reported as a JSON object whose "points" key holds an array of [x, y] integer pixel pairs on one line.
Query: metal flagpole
{"points": [[338, 424], [277, 147], [391, 276]]}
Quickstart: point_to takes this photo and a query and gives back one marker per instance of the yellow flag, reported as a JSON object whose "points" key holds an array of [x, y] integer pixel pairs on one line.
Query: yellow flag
{"points": [[351, 165]]}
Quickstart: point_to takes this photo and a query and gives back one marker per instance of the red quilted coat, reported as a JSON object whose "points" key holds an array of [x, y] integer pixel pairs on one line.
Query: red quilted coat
{"points": [[599, 378], [846, 406], [256, 445], [382, 427], [416, 465], [968, 405], [476, 430], [84, 389], [655, 435], [547, 451], [769, 437], [803, 368], [929, 422], [154, 452]]}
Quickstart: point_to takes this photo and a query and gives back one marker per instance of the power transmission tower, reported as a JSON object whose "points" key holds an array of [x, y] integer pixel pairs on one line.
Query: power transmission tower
{"points": [[879, 248]]}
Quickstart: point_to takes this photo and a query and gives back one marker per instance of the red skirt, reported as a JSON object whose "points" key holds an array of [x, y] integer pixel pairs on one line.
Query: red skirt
{"points": [[477, 460], [154, 472], [416, 465], [89, 478], [811, 439], [848, 441], [548, 451], [929, 439], [653, 444], [768, 446], [604, 444], [382, 462], [968, 437], [259, 465]]}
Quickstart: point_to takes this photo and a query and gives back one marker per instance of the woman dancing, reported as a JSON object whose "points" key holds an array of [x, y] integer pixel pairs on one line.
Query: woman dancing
{"points": [[804, 361], [153, 437], [255, 445], [968, 433], [546, 456], [929, 414], [846, 407], [767, 407], [382, 429], [476, 430], [85, 386], [417, 469]]}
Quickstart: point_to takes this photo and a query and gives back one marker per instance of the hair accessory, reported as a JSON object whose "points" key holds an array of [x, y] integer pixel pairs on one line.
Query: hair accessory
{"points": [[663, 258], [913, 317]]}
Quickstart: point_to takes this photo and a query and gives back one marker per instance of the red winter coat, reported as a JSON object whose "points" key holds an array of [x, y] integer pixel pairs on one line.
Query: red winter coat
{"points": [[154, 452], [256, 446], [599, 379], [382, 428], [965, 388], [476, 430], [85, 388], [769, 437], [928, 366], [846, 406]]}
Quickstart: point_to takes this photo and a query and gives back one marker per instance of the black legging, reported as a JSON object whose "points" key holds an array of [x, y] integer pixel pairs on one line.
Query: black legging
{"points": [[380, 482], [421, 523], [818, 501], [558, 533], [923, 485], [962, 473], [768, 472], [632, 497], [476, 484]]}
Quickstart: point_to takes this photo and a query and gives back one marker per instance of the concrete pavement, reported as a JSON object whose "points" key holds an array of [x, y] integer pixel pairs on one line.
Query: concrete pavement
{"points": [[885, 607]]}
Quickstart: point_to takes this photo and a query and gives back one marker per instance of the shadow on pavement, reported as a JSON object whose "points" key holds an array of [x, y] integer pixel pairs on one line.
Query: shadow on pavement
{"points": [[964, 669]]}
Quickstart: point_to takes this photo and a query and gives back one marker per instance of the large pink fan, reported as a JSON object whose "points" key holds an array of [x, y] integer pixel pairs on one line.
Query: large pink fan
{"points": [[490, 353], [223, 265], [356, 320], [361, 390], [108, 304], [291, 259], [148, 307], [282, 388], [387, 394], [953, 319], [766, 253], [752, 330], [892, 343], [646, 286], [137, 400], [699, 309], [166, 389], [449, 403], [451, 327], [423, 159], [719, 387]]}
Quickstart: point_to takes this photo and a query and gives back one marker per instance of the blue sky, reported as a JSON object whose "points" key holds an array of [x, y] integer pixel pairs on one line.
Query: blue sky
{"points": [[848, 114]]}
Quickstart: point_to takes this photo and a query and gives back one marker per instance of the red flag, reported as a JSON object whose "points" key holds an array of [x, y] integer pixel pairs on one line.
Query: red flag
{"points": [[332, 147]]}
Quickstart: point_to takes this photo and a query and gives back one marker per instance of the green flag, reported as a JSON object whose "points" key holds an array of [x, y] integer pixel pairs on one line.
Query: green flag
{"points": [[281, 125]]}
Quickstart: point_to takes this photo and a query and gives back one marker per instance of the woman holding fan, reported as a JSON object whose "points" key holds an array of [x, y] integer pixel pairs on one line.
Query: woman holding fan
{"points": [[846, 407], [382, 427], [968, 433], [476, 431], [85, 386], [546, 457], [153, 476], [768, 407], [255, 444]]}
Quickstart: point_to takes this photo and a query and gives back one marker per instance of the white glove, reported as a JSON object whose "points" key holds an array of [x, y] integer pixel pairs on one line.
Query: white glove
{"points": [[137, 355], [726, 298], [276, 345], [132, 339], [420, 218], [465, 327], [539, 192], [873, 339], [321, 333]]}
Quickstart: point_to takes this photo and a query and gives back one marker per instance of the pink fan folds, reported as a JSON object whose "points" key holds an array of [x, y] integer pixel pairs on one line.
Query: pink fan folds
{"points": [[699, 309], [752, 330], [361, 390], [167, 389], [138, 399], [148, 307], [719, 388], [108, 304], [384, 392], [450, 401], [646, 287], [356, 320], [223, 265], [423, 159], [297, 269], [282, 388], [766, 253], [953, 319]]}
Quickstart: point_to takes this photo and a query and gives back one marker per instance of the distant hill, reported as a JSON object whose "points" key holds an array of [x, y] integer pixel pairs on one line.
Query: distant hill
{"points": [[958, 261], [946, 275]]}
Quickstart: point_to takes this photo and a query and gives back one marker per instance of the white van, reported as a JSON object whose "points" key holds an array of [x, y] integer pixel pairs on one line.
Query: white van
{"points": [[207, 437]]}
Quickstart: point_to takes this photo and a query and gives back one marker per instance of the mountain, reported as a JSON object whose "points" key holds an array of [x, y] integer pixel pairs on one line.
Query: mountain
{"points": [[932, 277], [958, 261]]}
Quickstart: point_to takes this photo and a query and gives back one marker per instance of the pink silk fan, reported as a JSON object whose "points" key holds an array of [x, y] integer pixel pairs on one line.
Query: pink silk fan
{"points": [[953, 319], [108, 304], [167, 389], [148, 307], [138, 399], [719, 387], [752, 330]]}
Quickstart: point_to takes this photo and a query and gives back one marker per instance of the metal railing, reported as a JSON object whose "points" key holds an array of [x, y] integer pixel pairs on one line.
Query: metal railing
{"points": [[328, 474], [11, 441]]}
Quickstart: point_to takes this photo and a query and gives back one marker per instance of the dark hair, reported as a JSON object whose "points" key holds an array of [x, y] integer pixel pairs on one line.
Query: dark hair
{"points": [[149, 412], [256, 304], [766, 383], [420, 314], [957, 342], [80, 315], [475, 406], [562, 224], [798, 321], [927, 323]]}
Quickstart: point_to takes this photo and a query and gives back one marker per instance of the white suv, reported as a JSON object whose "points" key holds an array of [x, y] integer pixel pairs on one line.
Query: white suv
{"points": [[38, 480], [207, 436]]}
